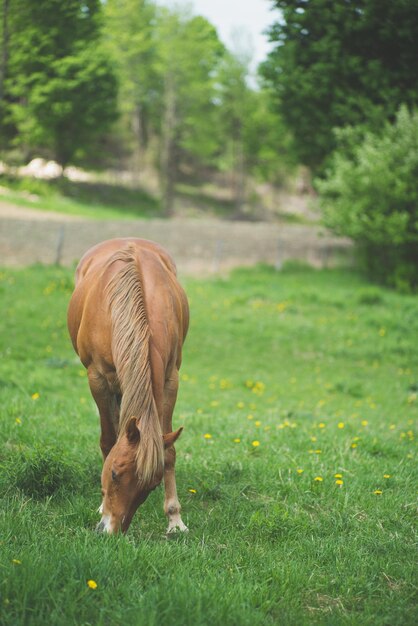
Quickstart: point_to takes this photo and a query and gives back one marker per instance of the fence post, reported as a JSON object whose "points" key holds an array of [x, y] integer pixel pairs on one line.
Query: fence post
{"points": [[279, 258], [60, 245], [217, 256]]}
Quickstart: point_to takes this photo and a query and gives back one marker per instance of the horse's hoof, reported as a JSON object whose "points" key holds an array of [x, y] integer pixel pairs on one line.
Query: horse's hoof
{"points": [[176, 529]]}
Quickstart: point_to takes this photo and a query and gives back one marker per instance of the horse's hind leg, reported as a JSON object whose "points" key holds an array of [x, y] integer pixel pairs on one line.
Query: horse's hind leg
{"points": [[172, 506]]}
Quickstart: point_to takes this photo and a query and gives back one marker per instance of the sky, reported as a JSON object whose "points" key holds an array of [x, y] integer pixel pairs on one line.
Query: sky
{"points": [[231, 16]]}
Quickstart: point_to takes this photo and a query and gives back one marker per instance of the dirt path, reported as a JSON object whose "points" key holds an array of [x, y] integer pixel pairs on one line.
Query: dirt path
{"points": [[199, 246]]}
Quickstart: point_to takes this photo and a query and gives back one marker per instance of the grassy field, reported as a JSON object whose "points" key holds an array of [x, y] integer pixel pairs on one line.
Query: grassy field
{"points": [[85, 199], [110, 201], [295, 469]]}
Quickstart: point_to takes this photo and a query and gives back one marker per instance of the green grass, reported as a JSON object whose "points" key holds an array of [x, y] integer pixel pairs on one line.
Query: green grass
{"points": [[283, 358], [84, 199]]}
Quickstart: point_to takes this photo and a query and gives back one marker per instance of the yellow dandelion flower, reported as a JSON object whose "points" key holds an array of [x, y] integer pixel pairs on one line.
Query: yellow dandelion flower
{"points": [[318, 479], [35, 396], [321, 425], [386, 475], [313, 439], [258, 388], [250, 417], [16, 562], [382, 332], [18, 420], [256, 444], [364, 423], [257, 423], [318, 451], [392, 427], [338, 475], [237, 440], [341, 425], [92, 584], [378, 492], [192, 490], [207, 436], [240, 405], [299, 471], [354, 445], [339, 482]]}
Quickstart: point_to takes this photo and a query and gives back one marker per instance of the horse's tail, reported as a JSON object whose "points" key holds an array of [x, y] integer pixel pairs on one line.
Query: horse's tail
{"points": [[131, 355]]}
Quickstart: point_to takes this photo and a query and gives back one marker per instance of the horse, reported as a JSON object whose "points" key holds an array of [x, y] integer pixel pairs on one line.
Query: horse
{"points": [[128, 318]]}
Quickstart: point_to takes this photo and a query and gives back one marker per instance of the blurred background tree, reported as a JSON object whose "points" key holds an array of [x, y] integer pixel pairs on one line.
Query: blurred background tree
{"points": [[59, 90], [152, 92], [190, 51], [338, 63], [370, 193]]}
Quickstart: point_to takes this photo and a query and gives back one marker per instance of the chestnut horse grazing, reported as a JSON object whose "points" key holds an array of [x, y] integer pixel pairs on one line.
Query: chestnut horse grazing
{"points": [[128, 318]]}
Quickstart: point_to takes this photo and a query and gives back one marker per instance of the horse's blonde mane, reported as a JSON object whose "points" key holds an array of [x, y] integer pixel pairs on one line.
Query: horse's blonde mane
{"points": [[130, 350]]}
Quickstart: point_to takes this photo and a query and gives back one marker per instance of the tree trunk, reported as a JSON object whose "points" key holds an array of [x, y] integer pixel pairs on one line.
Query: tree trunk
{"points": [[168, 164], [239, 167], [137, 124], [4, 47]]}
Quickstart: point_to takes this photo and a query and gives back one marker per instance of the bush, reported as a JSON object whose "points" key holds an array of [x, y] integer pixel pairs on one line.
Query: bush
{"points": [[370, 194]]}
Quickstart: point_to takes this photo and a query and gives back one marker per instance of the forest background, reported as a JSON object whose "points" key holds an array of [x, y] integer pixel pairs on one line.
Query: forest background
{"points": [[148, 90]]}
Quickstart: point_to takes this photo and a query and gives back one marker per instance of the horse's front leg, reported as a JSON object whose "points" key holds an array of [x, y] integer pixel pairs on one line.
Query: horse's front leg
{"points": [[108, 409], [172, 506]]}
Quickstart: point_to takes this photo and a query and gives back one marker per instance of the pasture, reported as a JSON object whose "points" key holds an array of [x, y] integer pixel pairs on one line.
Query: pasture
{"points": [[295, 470]]}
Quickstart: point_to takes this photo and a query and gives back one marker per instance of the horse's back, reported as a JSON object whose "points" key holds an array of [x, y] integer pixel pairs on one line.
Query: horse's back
{"points": [[89, 320], [96, 257]]}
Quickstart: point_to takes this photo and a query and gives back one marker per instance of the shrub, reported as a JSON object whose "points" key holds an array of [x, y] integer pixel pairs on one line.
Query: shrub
{"points": [[370, 194]]}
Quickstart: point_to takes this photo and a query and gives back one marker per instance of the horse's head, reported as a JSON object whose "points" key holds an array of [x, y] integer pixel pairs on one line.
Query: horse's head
{"points": [[123, 488]]}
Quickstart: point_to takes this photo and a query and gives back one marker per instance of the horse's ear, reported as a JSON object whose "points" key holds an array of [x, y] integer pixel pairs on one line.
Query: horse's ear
{"points": [[132, 430], [171, 438]]}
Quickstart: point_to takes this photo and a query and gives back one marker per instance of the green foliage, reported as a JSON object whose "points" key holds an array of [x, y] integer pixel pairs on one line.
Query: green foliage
{"points": [[59, 85], [189, 53], [130, 39], [267, 544], [339, 63], [370, 194]]}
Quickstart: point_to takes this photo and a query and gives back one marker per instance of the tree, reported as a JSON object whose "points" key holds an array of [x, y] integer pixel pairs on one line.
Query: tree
{"points": [[61, 87], [189, 53], [339, 62], [235, 110], [370, 194], [130, 38]]}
